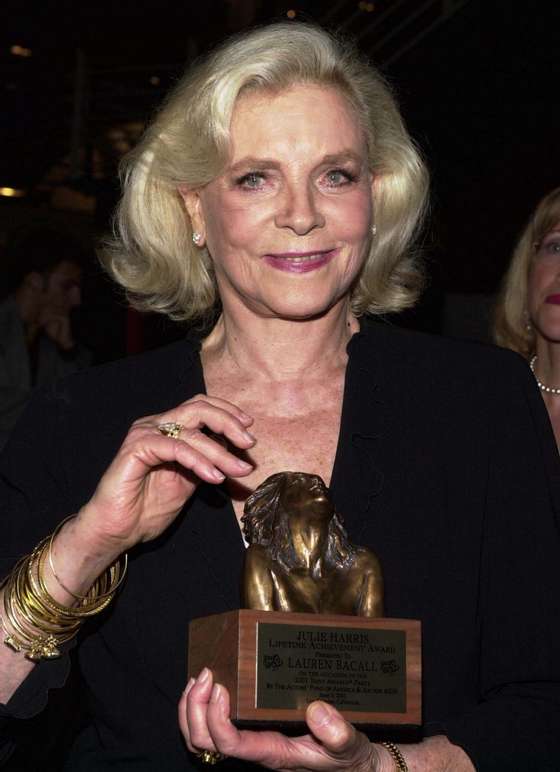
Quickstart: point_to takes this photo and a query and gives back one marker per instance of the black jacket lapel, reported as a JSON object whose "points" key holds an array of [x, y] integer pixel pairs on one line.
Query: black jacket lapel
{"points": [[357, 475]]}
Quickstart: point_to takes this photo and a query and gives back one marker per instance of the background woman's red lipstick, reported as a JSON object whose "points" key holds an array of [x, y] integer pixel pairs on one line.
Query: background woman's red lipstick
{"points": [[554, 299]]}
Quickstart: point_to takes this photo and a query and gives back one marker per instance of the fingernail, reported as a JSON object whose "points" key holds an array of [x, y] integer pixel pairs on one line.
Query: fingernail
{"points": [[203, 676], [319, 713], [244, 465], [215, 694], [217, 475], [250, 436], [189, 685]]}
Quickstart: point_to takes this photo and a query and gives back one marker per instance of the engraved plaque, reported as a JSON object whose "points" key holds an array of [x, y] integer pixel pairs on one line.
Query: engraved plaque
{"points": [[357, 670], [274, 663]]}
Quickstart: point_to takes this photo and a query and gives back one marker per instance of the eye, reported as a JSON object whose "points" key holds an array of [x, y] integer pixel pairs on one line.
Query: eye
{"points": [[251, 180], [550, 248], [337, 178]]}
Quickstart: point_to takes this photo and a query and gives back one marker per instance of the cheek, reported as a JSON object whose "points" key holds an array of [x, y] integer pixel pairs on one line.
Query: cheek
{"points": [[235, 227], [532, 289], [538, 278], [541, 277], [351, 219]]}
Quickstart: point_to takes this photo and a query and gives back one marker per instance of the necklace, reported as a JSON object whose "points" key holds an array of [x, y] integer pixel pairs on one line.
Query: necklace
{"points": [[542, 387]]}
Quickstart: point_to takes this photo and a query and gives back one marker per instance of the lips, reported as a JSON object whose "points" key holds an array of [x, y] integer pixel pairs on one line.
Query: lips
{"points": [[300, 262], [553, 299]]}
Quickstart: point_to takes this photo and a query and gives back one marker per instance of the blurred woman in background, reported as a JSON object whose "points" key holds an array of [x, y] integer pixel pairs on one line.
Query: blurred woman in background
{"points": [[527, 318]]}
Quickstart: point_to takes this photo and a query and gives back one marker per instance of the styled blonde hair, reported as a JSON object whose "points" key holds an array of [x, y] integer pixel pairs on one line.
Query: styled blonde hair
{"points": [[511, 321], [152, 255]]}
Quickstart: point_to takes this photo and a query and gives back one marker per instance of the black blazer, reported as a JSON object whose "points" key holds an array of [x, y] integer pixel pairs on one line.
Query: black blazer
{"points": [[446, 466]]}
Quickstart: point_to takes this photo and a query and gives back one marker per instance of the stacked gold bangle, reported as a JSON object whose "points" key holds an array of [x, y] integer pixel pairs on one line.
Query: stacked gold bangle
{"points": [[398, 758], [39, 624]]}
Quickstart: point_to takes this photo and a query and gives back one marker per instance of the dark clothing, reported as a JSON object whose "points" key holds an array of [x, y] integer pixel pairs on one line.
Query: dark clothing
{"points": [[446, 467], [21, 370]]}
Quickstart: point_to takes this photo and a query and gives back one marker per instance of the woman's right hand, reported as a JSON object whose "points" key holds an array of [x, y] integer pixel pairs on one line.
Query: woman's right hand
{"points": [[152, 475]]}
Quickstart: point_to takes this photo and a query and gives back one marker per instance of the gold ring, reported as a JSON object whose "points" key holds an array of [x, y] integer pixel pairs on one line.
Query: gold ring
{"points": [[171, 429], [210, 757]]}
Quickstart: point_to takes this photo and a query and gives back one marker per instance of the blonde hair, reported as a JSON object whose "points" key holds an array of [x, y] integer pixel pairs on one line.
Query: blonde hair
{"points": [[152, 255], [511, 321]]}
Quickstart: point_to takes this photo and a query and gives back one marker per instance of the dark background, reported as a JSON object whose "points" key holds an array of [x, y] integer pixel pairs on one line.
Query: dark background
{"points": [[477, 82]]}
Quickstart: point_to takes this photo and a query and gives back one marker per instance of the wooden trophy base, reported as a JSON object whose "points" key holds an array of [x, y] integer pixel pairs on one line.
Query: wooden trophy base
{"points": [[274, 664]]}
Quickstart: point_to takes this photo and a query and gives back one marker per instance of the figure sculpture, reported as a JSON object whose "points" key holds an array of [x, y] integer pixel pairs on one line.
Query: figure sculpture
{"points": [[299, 557]]}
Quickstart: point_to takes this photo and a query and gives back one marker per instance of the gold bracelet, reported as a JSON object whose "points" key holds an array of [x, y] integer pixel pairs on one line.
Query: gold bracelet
{"points": [[10, 639], [396, 755], [35, 646], [38, 638], [38, 623], [98, 595], [93, 603]]}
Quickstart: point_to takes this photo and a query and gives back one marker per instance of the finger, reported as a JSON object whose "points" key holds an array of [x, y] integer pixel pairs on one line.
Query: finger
{"points": [[336, 735], [201, 414], [271, 749], [226, 405], [197, 452], [182, 714], [224, 734], [217, 454], [197, 706], [149, 449]]}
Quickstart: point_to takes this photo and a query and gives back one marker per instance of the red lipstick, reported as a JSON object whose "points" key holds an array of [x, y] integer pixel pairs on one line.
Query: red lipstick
{"points": [[553, 299]]}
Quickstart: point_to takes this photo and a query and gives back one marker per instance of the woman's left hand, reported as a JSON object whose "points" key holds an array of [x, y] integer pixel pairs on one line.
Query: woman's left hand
{"points": [[332, 744]]}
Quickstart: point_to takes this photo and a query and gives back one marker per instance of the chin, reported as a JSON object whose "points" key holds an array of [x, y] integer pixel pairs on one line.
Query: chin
{"points": [[300, 307], [548, 328], [550, 335]]}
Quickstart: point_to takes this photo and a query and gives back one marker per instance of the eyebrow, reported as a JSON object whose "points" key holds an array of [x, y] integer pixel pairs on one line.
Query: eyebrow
{"points": [[269, 163]]}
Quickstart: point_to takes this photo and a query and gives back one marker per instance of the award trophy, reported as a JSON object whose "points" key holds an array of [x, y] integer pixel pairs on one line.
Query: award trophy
{"points": [[313, 625]]}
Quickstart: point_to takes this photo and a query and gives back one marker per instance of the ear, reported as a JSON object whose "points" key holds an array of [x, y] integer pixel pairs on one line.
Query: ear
{"points": [[193, 207]]}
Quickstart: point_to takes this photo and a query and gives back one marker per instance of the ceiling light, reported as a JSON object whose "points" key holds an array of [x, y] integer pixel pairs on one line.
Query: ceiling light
{"points": [[12, 192]]}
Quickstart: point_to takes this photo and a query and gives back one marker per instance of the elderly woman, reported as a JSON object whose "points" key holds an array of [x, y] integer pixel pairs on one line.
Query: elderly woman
{"points": [[279, 190], [527, 317]]}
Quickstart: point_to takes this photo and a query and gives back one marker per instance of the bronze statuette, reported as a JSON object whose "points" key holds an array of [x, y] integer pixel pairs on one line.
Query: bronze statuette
{"points": [[299, 556]]}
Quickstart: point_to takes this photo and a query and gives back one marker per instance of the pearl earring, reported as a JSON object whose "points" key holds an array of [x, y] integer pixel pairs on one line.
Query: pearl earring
{"points": [[196, 238], [373, 230]]}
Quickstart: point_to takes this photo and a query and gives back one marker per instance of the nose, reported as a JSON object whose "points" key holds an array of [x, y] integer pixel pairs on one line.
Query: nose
{"points": [[299, 210]]}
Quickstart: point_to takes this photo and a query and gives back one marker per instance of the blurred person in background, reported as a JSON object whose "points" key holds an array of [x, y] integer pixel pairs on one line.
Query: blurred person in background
{"points": [[37, 341], [527, 316]]}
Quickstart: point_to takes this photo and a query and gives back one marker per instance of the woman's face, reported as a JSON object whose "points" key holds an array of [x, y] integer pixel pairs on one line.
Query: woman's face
{"points": [[288, 223], [306, 494], [543, 295]]}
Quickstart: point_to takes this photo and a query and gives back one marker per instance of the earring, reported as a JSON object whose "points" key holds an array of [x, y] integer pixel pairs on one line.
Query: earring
{"points": [[528, 325], [373, 230], [196, 237]]}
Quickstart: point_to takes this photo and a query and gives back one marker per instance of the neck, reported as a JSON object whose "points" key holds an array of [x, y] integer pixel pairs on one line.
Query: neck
{"points": [[275, 349], [309, 542]]}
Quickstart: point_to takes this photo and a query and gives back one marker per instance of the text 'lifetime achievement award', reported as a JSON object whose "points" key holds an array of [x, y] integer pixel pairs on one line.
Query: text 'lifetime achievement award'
{"points": [[313, 625]]}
